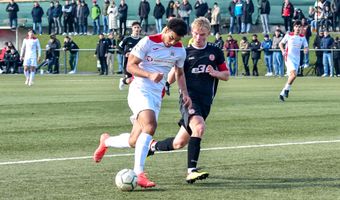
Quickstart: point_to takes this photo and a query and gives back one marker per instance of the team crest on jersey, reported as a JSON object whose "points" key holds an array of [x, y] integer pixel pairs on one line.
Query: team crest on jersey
{"points": [[148, 58], [172, 53], [212, 57]]}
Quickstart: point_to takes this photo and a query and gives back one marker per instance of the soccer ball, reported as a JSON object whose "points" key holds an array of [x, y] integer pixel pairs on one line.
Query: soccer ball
{"points": [[126, 180]]}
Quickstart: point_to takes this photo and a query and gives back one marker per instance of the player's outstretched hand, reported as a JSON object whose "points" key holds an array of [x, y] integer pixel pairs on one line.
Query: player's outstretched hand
{"points": [[187, 101], [212, 72], [156, 77]]}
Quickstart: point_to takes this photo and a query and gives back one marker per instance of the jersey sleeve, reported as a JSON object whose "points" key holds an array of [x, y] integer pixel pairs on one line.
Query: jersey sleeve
{"points": [[23, 48], [305, 43], [219, 57], [141, 48], [180, 61], [38, 48], [285, 39]]}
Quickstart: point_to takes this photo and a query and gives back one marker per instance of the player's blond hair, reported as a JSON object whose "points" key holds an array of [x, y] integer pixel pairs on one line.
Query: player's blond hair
{"points": [[201, 22]]}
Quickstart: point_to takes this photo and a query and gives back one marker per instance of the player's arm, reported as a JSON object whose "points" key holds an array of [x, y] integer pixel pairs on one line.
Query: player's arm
{"points": [[180, 77], [282, 43], [23, 49], [133, 68], [222, 73], [39, 50]]}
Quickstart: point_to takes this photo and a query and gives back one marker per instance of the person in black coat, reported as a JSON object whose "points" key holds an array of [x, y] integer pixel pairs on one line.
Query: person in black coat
{"points": [[319, 54], [169, 11], [143, 13], [122, 13], [57, 13], [50, 20], [101, 53], [84, 12], [158, 13], [248, 10], [37, 13], [12, 9], [201, 8], [72, 47], [55, 46], [264, 9], [254, 47], [336, 56]]}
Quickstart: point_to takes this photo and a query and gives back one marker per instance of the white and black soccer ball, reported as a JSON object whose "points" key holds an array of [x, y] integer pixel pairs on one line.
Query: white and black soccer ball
{"points": [[126, 180]]}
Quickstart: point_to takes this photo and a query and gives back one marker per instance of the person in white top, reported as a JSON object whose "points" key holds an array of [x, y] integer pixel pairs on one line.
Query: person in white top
{"points": [[149, 62], [30, 54], [291, 46]]}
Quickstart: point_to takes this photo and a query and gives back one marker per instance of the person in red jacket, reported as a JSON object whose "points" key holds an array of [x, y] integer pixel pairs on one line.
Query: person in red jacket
{"points": [[287, 14], [230, 46]]}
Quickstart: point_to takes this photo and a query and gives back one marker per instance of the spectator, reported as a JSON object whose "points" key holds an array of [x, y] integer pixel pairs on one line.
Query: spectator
{"points": [[14, 61], [215, 18], [208, 15], [101, 53], [176, 9], [336, 56], [105, 16], [318, 53], [201, 7], [2, 56], [318, 15], [287, 13], [57, 13], [219, 41], [111, 52], [248, 10], [264, 13], [335, 8], [298, 14], [245, 53], [72, 47], [255, 46], [327, 42], [230, 46], [278, 65], [143, 13], [122, 11], [67, 15], [37, 13], [120, 53], [55, 46], [12, 9], [231, 9], [311, 13], [47, 61], [238, 15], [184, 11], [266, 46], [75, 16], [158, 13], [83, 14], [326, 21], [6, 60], [95, 15], [306, 31], [50, 20], [112, 11], [170, 11]]}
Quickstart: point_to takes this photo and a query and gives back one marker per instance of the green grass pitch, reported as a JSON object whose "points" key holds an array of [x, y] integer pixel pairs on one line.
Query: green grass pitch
{"points": [[62, 117]]}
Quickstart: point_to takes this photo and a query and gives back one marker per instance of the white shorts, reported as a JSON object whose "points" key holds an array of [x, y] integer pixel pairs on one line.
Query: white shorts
{"points": [[140, 100], [292, 66], [30, 62]]}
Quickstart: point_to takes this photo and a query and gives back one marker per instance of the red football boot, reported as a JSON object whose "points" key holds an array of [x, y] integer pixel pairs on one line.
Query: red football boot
{"points": [[144, 182], [100, 151]]}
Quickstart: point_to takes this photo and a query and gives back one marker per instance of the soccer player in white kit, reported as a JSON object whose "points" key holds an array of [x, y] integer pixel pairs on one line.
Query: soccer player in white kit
{"points": [[291, 46], [29, 50], [149, 62]]}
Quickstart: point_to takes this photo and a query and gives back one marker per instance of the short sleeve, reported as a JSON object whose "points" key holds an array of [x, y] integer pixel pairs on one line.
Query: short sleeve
{"points": [[141, 48], [285, 39], [182, 56]]}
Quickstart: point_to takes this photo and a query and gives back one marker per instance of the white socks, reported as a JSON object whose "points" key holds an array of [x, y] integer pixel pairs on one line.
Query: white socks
{"points": [[31, 77], [287, 87], [141, 151], [119, 141]]}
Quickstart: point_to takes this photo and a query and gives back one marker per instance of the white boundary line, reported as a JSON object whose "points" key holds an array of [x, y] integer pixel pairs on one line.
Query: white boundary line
{"points": [[177, 151]]}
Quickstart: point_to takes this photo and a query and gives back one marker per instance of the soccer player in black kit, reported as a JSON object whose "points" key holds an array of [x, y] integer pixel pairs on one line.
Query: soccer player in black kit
{"points": [[126, 45], [204, 67]]}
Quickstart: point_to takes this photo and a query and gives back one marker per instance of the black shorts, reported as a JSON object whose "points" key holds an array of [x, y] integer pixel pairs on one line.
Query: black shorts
{"points": [[198, 108]]}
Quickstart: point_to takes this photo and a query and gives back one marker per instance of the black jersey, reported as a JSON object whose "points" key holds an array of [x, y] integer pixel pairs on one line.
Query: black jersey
{"points": [[127, 44], [199, 83]]}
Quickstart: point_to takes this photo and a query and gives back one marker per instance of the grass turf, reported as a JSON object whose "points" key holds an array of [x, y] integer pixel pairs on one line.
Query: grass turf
{"points": [[63, 117]]}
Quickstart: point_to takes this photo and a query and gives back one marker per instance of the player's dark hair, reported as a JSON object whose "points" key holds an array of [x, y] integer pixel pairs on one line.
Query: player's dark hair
{"points": [[178, 26], [135, 23], [297, 23]]}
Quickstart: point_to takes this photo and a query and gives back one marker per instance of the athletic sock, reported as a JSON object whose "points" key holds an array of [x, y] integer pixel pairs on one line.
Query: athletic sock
{"points": [[32, 76], [141, 151], [165, 145], [287, 86], [27, 74], [194, 148], [119, 141]]}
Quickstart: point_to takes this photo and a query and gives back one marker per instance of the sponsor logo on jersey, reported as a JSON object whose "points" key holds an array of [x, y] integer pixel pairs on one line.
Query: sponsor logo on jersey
{"points": [[191, 58], [148, 58]]}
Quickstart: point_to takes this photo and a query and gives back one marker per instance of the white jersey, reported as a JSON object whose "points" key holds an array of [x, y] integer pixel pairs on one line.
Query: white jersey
{"points": [[294, 44], [29, 48], [156, 57]]}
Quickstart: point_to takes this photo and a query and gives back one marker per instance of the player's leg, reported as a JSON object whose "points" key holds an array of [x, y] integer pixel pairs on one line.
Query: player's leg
{"points": [[124, 140], [27, 74], [32, 74], [291, 78], [172, 143], [197, 126], [147, 120]]}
